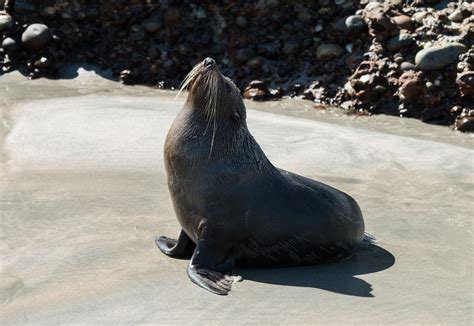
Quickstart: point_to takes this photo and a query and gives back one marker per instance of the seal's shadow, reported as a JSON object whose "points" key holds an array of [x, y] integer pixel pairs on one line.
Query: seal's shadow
{"points": [[337, 277]]}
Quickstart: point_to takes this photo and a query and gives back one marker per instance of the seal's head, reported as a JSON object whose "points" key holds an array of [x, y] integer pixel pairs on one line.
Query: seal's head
{"points": [[213, 94]]}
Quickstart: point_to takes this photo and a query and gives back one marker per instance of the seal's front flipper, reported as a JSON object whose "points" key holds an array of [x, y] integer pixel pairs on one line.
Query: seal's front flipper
{"points": [[181, 248], [213, 281], [207, 266]]}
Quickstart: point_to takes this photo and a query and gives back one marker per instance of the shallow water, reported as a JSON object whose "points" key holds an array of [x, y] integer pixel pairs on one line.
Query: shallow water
{"points": [[83, 195]]}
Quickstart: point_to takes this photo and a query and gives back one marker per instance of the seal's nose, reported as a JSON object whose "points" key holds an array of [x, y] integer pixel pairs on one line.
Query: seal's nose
{"points": [[209, 62]]}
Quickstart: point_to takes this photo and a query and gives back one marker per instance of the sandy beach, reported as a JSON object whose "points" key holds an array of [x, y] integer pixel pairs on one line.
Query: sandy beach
{"points": [[83, 195]]}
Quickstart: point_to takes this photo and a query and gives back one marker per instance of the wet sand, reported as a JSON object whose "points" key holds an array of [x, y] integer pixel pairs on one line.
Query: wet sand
{"points": [[83, 195]]}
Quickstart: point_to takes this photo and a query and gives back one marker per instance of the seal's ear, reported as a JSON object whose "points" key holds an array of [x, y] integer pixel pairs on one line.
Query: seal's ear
{"points": [[236, 116]]}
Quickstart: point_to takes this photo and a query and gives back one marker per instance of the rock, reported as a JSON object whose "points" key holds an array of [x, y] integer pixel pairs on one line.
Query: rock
{"points": [[126, 76], [241, 21], [355, 24], [291, 47], [10, 46], [465, 83], [36, 37], [465, 124], [255, 63], [24, 7], [43, 63], [380, 23], [399, 41], [412, 87], [49, 11], [438, 57], [407, 66], [256, 90], [419, 16], [6, 21], [171, 16], [372, 6], [403, 22], [151, 25], [328, 51], [244, 55], [456, 16], [137, 35], [339, 25], [315, 92]]}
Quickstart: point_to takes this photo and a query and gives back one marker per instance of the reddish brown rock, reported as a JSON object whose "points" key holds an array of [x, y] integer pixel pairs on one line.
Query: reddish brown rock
{"points": [[403, 22], [411, 87], [256, 90]]}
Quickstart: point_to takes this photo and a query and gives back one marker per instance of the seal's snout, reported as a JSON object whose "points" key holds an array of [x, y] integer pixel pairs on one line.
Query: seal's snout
{"points": [[209, 62]]}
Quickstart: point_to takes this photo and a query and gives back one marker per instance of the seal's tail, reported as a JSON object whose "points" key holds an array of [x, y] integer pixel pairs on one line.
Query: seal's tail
{"points": [[369, 238]]}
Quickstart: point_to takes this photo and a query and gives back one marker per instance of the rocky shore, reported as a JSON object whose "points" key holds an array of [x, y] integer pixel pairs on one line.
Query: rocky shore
{"points": [[407, 58]]}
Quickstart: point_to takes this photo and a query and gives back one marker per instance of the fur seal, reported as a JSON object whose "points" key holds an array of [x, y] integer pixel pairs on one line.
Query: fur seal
{"points": [[234, 206]]}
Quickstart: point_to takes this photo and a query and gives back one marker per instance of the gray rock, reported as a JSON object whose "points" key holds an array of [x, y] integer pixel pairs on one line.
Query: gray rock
{"points": [[6, 21], [339, 25], [23, 7], [419, 16], [438, 57], [456, 16], [36, 37], [151, 25], [10, 45], [241, 21], [465, 124], [244, 55], [291, 47], [255, 63], [328, 51], [355, 23], [407, 66], [399, 41]]}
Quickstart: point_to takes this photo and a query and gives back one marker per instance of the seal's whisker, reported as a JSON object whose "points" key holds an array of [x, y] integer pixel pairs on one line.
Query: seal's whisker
{"points": [[212, 107], [207, 112], [188, 79]]}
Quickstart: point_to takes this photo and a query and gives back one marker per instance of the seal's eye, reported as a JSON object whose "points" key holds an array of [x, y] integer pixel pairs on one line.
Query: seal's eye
{"points": [[227, 87]]}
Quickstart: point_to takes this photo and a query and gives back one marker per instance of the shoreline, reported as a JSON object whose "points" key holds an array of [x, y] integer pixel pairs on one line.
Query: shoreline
{"points": [[89, 81]]}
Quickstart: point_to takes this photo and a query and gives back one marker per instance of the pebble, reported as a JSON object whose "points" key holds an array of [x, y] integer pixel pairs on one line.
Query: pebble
{"points": [[456, 16], [403, 22], [465, 124], [22, 7], [36, 37], [255, 63], [49, 11], [419, 16], [42, 63], [355, 23], [6, 21], [438, 57], [256, 90], [241, 21], [399, 41], [244, 55], [10, 45], [329, 51], [412, 87], [465, 83], [152, 25]]}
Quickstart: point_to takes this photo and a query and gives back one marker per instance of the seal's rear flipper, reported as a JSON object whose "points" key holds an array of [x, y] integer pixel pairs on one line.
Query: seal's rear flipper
{"points": [[369, 238], [182, 248]]}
